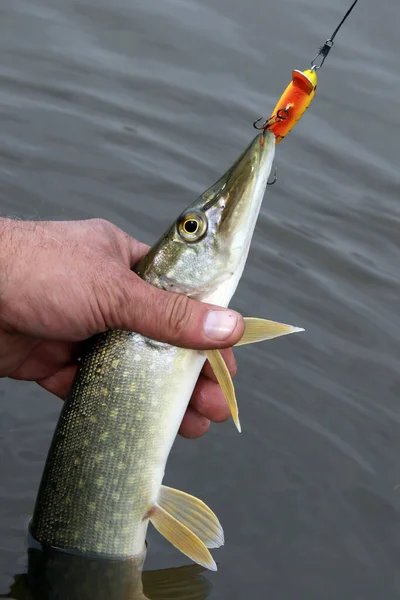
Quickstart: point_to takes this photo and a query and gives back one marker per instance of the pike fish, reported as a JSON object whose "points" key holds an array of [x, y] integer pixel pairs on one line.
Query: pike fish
{"points": [[103, 478]]}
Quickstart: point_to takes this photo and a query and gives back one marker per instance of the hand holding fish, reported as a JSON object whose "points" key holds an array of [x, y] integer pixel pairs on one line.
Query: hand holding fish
{"points": [[102, 483], [62, 282]]}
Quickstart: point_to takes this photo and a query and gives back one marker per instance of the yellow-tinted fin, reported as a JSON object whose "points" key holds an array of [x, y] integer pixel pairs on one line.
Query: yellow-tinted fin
{"points": [[194, 514], [258, 330], [225, 381], [181, 537]]}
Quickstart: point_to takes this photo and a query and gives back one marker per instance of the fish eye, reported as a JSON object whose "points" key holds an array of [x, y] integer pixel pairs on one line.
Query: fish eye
{"points": [[192, 226]]}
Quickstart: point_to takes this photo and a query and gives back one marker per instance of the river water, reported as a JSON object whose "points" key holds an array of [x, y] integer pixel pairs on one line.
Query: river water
{"points": [[127, 111]]}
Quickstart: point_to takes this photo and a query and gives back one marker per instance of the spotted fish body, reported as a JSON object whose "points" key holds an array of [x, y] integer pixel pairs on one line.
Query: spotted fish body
{"points": [[111, 445], [102, 481]]}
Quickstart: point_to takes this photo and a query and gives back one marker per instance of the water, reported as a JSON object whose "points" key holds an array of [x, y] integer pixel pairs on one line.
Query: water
{"points": [[127, 111]]}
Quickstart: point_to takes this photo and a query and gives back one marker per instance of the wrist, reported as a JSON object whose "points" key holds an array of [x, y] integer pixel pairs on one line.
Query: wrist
{"points": [[6, 226], [12, 235]]}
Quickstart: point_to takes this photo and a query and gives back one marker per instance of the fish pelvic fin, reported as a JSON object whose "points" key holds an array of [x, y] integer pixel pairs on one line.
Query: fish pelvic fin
{"points": [[258, 330], [194, 514], [225, 381], [181, 537]]}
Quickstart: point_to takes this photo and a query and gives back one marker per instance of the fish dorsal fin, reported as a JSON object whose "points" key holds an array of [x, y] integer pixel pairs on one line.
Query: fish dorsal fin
{"points": [[258, 330], [194, 514], [181, 537], [225, 381]]}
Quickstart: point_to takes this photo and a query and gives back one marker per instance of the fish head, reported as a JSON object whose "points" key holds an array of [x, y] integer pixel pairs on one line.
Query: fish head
{"points": [[202, 255]]}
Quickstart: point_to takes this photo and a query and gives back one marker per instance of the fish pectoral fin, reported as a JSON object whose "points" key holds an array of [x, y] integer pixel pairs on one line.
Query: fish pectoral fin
{"points": [[225, 381], [181, 537], [194, 514], [258, 330]]}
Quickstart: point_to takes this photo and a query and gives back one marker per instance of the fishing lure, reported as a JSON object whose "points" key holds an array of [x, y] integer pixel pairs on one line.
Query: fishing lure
{"points": [[300, 92]]}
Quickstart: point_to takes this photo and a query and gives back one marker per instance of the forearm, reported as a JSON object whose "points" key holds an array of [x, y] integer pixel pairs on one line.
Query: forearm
{"points": [[10, 344], [14, 239], [6, 251]]}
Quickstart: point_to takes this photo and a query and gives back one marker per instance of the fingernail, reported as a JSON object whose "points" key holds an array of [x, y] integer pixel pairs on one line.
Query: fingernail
{"points": [[219, 324]]}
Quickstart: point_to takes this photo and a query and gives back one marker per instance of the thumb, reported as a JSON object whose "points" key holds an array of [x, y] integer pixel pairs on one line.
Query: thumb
{"points": [[168, 317]]}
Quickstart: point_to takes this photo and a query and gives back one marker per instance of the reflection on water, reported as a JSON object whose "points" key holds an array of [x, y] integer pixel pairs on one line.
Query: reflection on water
{"points": [[56, 575]]}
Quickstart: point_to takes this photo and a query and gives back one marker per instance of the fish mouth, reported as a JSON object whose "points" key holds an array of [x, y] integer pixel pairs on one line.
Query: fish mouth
{"points": [[257, 156], [260, 150], [232, 206], [241, 190]]}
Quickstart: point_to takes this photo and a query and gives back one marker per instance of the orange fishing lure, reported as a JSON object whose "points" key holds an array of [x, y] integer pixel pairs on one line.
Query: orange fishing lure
{"points": [[300, 92], [293, 103]]}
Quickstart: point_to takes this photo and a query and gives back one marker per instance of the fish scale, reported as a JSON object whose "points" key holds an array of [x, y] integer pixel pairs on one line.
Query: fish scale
{"points": [[110, 444]]}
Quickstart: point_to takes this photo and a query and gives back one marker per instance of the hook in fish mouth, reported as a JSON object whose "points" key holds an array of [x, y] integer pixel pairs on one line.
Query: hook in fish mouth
{"points": [[274, 179], [257, 122]]}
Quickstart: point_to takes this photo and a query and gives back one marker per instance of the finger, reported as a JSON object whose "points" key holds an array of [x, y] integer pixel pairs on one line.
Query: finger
{"points": [[46, 359], [137, 250], [15, 349], [230, 361], [208, 400], [130, 248], [59, 383], [193, 424], [128, 302]]}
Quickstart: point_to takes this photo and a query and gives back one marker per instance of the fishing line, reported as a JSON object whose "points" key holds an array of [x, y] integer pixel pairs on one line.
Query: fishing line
{"points": [[325, 49], [299, 94]]}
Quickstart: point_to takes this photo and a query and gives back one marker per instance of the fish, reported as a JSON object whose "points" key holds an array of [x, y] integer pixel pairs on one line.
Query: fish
{"points": [[103, 480], [53, 573]]}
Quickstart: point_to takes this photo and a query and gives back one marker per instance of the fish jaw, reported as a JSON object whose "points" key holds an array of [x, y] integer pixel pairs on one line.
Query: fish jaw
{"points": [[209, 268], [250, 204]]}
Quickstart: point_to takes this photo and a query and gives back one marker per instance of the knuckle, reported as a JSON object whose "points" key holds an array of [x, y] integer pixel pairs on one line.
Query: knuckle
{"points": [[112, 299], [179, 314], [110, 237], [103, 226], [98, 222]]}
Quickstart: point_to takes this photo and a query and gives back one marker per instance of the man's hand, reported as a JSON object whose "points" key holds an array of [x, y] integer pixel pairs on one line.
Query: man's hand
{"points": [[62, 282]]}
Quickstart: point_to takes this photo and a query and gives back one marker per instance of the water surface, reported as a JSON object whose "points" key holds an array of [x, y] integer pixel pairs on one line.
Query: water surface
{"points": [[127, 111]]}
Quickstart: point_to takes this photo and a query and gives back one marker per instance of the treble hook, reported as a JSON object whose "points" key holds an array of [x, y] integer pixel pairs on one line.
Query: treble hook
{"points": [[260, 127], [281, 115], [275, 178]]}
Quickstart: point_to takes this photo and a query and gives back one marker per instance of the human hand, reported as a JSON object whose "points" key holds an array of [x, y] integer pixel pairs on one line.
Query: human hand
{"points": [[62, 282]]}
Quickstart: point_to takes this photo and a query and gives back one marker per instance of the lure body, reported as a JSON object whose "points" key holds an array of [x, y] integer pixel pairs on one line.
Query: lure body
{"points": [[293, 103]]}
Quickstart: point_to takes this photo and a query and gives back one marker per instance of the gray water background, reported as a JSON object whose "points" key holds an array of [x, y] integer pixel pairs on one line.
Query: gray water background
{"points": [[127, 110]]}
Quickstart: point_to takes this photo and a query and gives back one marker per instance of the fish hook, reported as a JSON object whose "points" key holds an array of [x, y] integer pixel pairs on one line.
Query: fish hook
{"points": [[281, 115], [259, 127], [274, 179]]}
